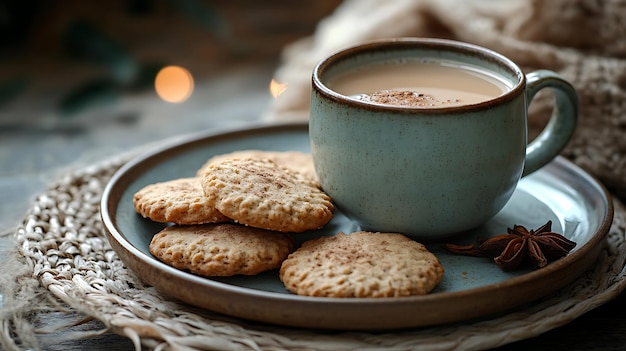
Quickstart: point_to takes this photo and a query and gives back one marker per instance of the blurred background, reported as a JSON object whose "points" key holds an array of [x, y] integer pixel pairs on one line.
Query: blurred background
{"points": [[84, 80]]}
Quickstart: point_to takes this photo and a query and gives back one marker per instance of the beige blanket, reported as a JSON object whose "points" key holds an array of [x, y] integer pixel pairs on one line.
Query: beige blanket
{"points": [[583, 40]]}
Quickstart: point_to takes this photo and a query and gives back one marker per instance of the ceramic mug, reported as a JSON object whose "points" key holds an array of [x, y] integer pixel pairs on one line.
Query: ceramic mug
{"points": [[430, 172]]}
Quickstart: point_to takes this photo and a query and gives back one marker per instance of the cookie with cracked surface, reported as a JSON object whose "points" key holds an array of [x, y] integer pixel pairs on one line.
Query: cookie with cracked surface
{"points": [[361, 264], [179, 201], [224, 249], [262, 194], [294, 160]]}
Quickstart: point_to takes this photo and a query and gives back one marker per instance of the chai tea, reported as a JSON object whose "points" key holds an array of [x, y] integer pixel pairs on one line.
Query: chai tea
{"points": [[419, 84]]}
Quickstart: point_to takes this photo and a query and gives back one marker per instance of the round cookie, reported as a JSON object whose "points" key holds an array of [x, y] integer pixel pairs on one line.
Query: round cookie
{"points": [[293, 160], [262, 194], [221, 249], [179, 201], [361, 264]]}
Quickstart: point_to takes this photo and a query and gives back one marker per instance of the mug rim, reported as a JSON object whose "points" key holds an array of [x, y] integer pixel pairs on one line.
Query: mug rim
{"points": [[407, 43]]}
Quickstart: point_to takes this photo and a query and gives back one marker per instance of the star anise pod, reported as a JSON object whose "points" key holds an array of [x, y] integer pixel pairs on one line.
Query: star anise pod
{"points": [[520, 246]]}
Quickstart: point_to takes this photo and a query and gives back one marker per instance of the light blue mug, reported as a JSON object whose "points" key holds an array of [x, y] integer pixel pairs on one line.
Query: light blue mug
{"points": [[430, 172]]}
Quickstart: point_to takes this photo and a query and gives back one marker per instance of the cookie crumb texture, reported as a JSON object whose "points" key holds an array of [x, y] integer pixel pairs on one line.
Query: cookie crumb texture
{"points": [[293, 160], [361, 264], [259, 193], [221, 249]]}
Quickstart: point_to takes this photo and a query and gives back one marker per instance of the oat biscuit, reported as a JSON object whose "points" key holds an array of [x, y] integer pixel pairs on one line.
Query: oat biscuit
{"points": [[293, 160], [362, 264], [262, 194], [179, 201], [221, 249]]}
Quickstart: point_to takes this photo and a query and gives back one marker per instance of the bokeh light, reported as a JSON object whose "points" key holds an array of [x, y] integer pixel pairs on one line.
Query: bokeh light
{"points": [[277, 88], [174, 84]]}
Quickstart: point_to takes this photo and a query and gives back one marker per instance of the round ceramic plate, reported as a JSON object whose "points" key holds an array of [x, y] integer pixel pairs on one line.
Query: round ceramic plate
{"points": [[472, 287]]}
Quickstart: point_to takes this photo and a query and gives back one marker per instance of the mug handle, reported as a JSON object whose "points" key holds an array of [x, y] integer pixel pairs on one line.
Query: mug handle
{"points": [[560, 128]]}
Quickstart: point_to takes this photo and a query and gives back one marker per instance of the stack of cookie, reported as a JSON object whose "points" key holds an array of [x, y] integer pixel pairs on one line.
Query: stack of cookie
{"points": [[238, 215]]}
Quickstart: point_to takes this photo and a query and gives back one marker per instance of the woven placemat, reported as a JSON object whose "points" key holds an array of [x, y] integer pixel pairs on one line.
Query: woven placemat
{"points": [[62, 241]]}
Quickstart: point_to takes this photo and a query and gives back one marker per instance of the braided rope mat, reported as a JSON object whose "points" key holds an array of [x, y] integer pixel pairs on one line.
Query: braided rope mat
{"points": [[62, 239]]}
